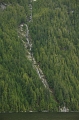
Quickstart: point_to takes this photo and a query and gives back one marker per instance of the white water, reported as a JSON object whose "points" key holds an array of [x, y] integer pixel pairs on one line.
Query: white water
{"points": [[28, 46]]}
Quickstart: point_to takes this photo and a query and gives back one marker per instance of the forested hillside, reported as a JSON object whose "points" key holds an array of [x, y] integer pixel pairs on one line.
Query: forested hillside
{"points": [[55, 34], [20, 87], [54, 31]]}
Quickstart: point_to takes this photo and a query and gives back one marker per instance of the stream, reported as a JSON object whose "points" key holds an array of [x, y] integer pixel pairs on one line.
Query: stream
{"points": [[28, 46]]}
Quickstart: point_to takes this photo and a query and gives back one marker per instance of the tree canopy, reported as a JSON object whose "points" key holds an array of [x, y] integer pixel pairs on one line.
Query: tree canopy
{"points": [[55, 38]]}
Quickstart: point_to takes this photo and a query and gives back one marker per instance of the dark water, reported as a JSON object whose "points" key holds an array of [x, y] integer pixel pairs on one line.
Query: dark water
{"points": [[39, 116]]}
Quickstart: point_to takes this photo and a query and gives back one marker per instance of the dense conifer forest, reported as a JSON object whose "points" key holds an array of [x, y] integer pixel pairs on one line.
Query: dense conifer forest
{"points": [[54, 31]]}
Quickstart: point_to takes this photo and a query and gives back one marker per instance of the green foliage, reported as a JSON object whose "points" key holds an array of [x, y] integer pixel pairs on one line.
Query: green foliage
{"points": [[55, 37], [56, 47], [20, 87]]}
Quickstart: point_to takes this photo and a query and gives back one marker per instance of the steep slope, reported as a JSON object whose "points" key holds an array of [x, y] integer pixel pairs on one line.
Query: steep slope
{"points": [[55, 39], [20, 86], [54, 31]]}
